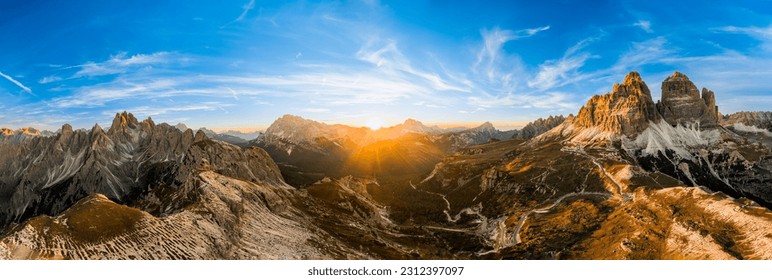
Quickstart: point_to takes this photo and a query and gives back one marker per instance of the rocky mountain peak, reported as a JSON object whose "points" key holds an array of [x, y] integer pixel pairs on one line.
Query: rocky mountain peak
{"points": [[98, 137], [97, 130], [122, 121], [412, 122], [677, 76], [539, 126], [626, 110], [66, 128], [486, 126], [181, 126], [682, 104], [148, 122], [291, 122], [7, 131], [632, 78], [290, 118], [30, 131], [761, 120], [412, 125], [632, 84], [200, 136], [678, 85]]}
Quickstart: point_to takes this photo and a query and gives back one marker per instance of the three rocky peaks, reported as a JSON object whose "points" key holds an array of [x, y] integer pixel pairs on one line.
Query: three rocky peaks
{"points": [[629, 108]]}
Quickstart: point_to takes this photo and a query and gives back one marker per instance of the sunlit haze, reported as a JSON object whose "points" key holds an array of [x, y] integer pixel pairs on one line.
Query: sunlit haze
{"points": [[243, 64]]}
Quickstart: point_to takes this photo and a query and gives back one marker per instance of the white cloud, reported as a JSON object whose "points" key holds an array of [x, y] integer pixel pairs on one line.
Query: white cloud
{"points": [[17, 83], [645, 25], [120, 63], [49, 79]]}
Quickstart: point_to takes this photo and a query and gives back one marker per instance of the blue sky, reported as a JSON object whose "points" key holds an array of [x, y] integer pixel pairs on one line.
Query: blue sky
{"points": [[242, 64]]}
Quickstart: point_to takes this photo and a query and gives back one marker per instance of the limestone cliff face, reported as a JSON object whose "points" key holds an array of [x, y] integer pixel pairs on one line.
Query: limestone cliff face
{"points": [[629, 109], [626, 110], [681, 103]]}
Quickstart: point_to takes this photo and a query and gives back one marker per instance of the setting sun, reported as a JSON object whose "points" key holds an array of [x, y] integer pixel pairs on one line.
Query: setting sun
{"points": [[374, 123]]}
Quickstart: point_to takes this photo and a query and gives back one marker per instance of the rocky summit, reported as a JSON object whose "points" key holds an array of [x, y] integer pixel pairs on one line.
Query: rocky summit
{"points": [[626, 110], [682, 103]]}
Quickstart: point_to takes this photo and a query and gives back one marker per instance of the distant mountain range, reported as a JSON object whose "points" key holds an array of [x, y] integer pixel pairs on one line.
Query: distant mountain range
{"points": [[308, 151], [624, 178]]}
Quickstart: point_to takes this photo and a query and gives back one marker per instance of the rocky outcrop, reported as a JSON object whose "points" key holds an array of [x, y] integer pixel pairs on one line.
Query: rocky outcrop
{"points": [[539, 126], [482, 134], [681, 103], [626, 110], [710, 102], [761, 120]]}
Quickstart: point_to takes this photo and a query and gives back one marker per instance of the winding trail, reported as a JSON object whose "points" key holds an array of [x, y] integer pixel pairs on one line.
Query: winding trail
{"points": [[447, 203], [581, 152], [453, 219], [548, 208]]}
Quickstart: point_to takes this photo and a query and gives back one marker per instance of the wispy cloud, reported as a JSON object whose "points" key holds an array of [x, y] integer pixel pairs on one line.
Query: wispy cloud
{"points": [[764, 33], [490, 55], [503, 79], [163, 110], [555, 73], [651, 51], [548, 100], [144, 88], [246, 8], [17, 83], [645, 25], [494, 40], [121, 63], [390, 60], [316, 110]]}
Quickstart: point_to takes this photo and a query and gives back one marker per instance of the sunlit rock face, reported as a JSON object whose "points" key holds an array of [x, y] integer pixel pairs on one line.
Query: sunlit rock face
{"points": [[626, 110]]}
